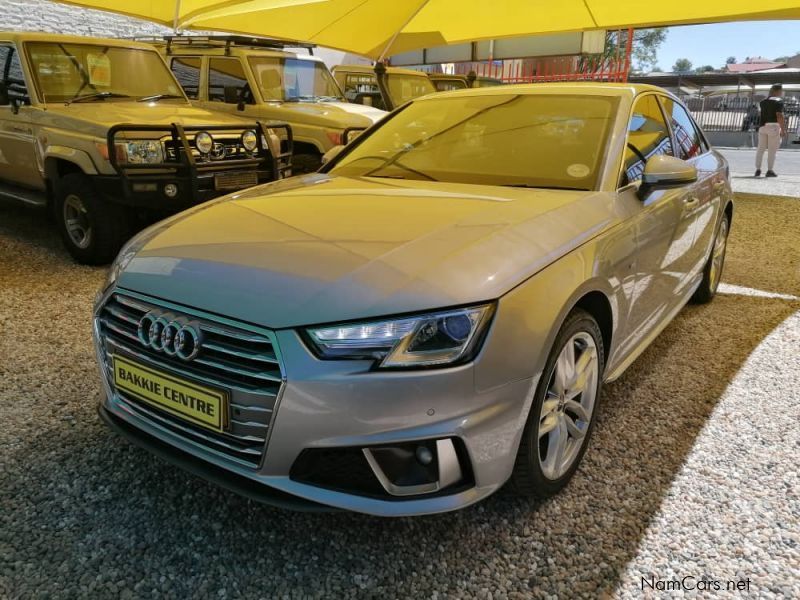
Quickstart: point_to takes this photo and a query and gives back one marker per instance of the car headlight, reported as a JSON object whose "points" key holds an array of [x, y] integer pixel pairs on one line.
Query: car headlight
{"points": [[204, 142], [250, 141], [439, 338], [118, 266], [141, 152]]}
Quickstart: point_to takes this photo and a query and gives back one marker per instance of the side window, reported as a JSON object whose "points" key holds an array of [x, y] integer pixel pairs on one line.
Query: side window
{"points": [[12, 82], [187, 72], [687, 139], [359, 83], [648, 136], [227, 81]]}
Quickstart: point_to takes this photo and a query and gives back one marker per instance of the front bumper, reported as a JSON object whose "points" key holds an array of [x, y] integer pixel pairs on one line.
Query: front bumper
{"points": [[147, 191], [334, 405]]}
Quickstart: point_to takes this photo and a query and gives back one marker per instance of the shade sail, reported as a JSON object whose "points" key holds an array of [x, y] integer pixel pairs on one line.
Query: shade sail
{"points": [[379, 28]]}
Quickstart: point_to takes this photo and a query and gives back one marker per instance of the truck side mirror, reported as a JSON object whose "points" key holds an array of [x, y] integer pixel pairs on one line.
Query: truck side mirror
{"points": [[331, 154], [4, 99], [231, 93], [16, 102]]}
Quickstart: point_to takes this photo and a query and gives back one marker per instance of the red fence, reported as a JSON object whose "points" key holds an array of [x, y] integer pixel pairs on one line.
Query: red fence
{"points": [[613, 65]]}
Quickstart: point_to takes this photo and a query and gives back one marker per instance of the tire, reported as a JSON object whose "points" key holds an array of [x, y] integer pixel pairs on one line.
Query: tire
{"points": [[712, 272], [92, 229], [538, 472], [305, 163]]}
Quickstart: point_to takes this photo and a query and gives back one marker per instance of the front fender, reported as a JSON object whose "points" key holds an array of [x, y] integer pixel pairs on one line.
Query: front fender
{"points": [[79, 158], [529, 317]]}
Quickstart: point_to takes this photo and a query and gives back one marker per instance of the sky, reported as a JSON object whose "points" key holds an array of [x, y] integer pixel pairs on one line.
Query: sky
{"points": [[712, 44]]}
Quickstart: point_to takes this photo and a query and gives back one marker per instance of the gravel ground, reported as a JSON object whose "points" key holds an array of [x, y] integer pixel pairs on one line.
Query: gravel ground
{"points": [[692, 470]]}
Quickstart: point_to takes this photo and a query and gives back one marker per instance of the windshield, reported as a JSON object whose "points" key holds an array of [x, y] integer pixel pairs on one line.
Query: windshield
{"points": [[448, 85], [64, 72], [294, 80], [526, 140], [403, 88]]}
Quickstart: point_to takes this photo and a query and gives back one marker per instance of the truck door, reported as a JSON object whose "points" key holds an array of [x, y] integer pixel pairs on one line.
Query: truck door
{"points": [[18, 159]]}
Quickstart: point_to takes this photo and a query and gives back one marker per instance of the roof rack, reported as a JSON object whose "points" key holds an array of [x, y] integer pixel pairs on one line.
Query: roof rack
{"points": [[227, 41]]}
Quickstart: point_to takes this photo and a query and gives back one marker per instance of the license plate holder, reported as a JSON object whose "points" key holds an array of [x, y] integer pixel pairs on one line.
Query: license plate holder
{"points": [[198, 404]]}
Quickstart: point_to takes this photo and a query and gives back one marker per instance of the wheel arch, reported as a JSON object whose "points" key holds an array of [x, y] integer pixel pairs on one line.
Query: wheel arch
{"points": [[55, 169], [597, 304], [306, 148], [728, 210]]}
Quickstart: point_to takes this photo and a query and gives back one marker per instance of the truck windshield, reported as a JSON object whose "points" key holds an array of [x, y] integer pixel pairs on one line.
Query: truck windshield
{"points": [[294, 80], [69, 72], [515, 140]]}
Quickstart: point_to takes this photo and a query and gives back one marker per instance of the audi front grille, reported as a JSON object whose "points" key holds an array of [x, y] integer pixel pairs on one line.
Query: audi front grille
{"points": [[234, 356]]}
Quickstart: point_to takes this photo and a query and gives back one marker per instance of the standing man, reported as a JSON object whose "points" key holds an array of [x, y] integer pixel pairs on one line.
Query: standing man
{"points": [[773, 128]]}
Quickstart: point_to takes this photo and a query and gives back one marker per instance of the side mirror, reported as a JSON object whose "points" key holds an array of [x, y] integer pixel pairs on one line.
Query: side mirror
{"points": [[664, 172], [16, 102], [4, 99], [231, 93], [331, 154], [351, 133]]}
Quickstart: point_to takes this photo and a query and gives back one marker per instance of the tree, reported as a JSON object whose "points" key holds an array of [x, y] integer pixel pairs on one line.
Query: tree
{"points": [[646, 43], [682, 65], [644, 48], [705, 69], [731, 60]]}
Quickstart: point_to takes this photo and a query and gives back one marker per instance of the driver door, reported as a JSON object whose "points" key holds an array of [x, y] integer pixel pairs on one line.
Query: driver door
{"points": [[663, 224], [18, 158]]}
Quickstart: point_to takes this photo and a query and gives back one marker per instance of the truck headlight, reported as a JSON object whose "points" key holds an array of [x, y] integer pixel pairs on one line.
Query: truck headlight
{"points": [[204, 142], [440, 338], [141, 152], [250, 141]]}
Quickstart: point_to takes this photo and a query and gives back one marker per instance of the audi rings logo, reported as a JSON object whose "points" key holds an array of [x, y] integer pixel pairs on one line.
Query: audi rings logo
{"points": [[172, 336]]}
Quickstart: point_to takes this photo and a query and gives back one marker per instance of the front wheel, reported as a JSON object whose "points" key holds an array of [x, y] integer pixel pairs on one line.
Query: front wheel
{"points": [[563, 408], [92, 229], [712, 273]]}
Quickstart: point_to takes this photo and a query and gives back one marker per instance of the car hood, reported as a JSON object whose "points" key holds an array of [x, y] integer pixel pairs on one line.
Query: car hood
{"points": [[338, 115], [97, 117], [316, 249]]}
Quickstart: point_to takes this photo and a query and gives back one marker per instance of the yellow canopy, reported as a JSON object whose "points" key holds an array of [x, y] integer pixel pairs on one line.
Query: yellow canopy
{"points": [[378, 28]]}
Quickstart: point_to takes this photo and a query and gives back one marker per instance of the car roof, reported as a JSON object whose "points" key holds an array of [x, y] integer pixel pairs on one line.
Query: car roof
{"points": [[582, 88], [367, 69], [38, 36], [240, 50]]}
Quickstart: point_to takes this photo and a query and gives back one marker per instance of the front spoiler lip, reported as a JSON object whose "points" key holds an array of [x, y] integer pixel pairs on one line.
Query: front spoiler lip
{"points": [[283, 492], [196, 466]]}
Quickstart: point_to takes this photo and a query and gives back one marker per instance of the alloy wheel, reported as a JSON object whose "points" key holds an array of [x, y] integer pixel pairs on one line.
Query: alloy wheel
{"points": [[568, 405], [718, 254], [76, 221]]}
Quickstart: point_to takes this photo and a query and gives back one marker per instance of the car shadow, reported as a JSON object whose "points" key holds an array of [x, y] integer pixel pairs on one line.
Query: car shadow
{"points": [[81, 508]]}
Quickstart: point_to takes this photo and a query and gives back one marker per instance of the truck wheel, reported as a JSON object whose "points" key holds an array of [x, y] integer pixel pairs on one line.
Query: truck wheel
{"points": [[93, 230], [305, 163]]}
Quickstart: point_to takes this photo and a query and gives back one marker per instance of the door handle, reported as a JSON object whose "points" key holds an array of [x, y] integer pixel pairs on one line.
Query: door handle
{"points": [[691, 202]]}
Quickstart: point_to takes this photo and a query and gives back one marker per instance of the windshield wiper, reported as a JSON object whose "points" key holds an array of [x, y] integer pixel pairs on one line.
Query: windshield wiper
{"points": [[156, 97], [544, 187], [96, 96]]}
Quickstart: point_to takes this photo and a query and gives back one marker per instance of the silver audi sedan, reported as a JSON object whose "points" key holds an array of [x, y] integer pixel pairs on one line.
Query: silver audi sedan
{"points": [[430, 317]]}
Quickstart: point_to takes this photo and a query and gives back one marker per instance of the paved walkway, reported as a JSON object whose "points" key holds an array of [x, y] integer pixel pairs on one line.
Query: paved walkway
{"points": [[787, 166]]}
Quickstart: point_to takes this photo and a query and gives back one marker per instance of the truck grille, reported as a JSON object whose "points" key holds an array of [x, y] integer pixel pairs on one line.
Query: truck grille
{"points": [[239, 358], [226, 147]]}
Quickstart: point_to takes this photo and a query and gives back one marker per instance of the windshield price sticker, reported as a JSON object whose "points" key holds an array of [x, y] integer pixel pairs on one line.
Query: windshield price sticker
{"points": [[99, 67]]}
